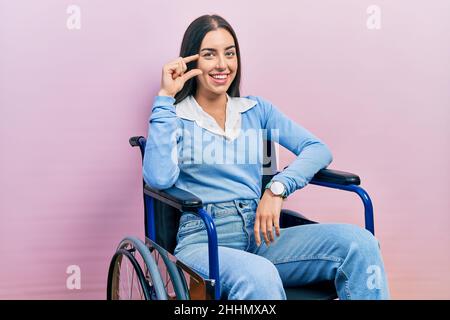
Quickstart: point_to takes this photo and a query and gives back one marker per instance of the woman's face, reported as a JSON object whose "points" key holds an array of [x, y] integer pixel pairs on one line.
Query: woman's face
{"points": [[217, 57]]}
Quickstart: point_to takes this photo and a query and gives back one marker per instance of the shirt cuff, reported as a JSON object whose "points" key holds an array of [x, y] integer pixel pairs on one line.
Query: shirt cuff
{"points": [[164, 101]]}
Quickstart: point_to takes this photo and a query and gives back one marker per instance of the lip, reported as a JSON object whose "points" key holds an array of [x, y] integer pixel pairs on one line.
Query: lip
{"points": [[219, 81]]}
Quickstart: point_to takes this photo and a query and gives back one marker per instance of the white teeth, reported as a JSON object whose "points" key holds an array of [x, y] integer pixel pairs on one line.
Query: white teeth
{"points": [[220, 77]]}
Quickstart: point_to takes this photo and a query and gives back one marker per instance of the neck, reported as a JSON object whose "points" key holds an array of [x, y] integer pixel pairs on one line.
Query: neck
{"points": [[211, 102]]}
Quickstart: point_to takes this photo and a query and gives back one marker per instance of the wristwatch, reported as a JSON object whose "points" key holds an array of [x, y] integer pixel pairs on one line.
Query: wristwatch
{"points": [[277, 188]]}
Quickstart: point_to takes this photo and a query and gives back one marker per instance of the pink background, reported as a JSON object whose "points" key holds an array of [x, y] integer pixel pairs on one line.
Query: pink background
{"points": [[70, 185]]}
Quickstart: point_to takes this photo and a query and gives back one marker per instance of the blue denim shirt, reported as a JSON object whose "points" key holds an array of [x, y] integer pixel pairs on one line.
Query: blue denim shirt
{"points": [[219, 168]]}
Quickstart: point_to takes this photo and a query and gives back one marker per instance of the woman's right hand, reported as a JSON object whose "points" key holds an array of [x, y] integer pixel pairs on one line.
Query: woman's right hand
{"points": [[174, 76]]}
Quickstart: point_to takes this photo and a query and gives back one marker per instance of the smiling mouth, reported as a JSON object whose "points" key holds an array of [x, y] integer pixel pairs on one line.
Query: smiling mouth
{"points": [[220, 79]]}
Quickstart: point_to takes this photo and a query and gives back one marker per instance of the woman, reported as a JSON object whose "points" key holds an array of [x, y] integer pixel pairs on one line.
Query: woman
{"points": [[206, 139]]}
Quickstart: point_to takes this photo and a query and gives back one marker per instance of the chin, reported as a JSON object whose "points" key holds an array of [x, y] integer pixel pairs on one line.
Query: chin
{"points": [[219, 91]]}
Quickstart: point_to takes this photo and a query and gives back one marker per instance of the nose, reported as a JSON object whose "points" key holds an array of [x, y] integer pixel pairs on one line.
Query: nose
{"points": [[221, 64]]}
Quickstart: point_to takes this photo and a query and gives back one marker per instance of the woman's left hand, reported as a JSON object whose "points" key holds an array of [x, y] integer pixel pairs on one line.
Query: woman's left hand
{"points": [[267, 217]]}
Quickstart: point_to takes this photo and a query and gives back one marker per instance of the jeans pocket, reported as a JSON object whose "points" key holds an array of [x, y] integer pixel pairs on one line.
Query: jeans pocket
{"points": [[223, 213], [190, 226]]}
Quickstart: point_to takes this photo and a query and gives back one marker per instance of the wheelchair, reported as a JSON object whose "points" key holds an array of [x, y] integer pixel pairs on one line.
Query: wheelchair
{"points": [[148, 270]]}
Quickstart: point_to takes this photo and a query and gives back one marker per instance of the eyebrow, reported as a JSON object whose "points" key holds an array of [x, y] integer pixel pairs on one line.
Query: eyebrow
{"points": [[212, 49]]}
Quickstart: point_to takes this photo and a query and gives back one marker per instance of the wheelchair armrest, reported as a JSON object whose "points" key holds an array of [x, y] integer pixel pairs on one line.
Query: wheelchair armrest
{"points": [[175, 197], [337, 177], [333, 176]]}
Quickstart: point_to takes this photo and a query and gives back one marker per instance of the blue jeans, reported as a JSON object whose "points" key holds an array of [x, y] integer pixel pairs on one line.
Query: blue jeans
{"points": [[346, 254]]}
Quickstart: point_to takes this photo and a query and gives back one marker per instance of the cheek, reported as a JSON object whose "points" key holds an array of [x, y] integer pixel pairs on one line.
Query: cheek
{"points": [[202, 67], [234, 66], [205, 65]]}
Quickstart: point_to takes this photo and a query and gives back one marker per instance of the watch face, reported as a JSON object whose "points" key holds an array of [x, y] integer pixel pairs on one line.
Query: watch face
{"points": [[277, 188]]}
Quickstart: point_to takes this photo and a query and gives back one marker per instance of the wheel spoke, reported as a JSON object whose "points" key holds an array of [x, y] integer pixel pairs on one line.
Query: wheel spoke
{"points": [[138, 285], [128, 280], [117, 279], [122, 296]]}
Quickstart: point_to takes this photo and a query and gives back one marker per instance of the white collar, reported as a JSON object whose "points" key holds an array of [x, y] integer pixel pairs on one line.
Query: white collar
{"points": [[189, 109]]}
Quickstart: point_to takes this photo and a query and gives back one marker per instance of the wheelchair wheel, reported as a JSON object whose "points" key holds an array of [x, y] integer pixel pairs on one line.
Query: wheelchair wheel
{"points": [[173, 277], [133, 273], [128, 280]]}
